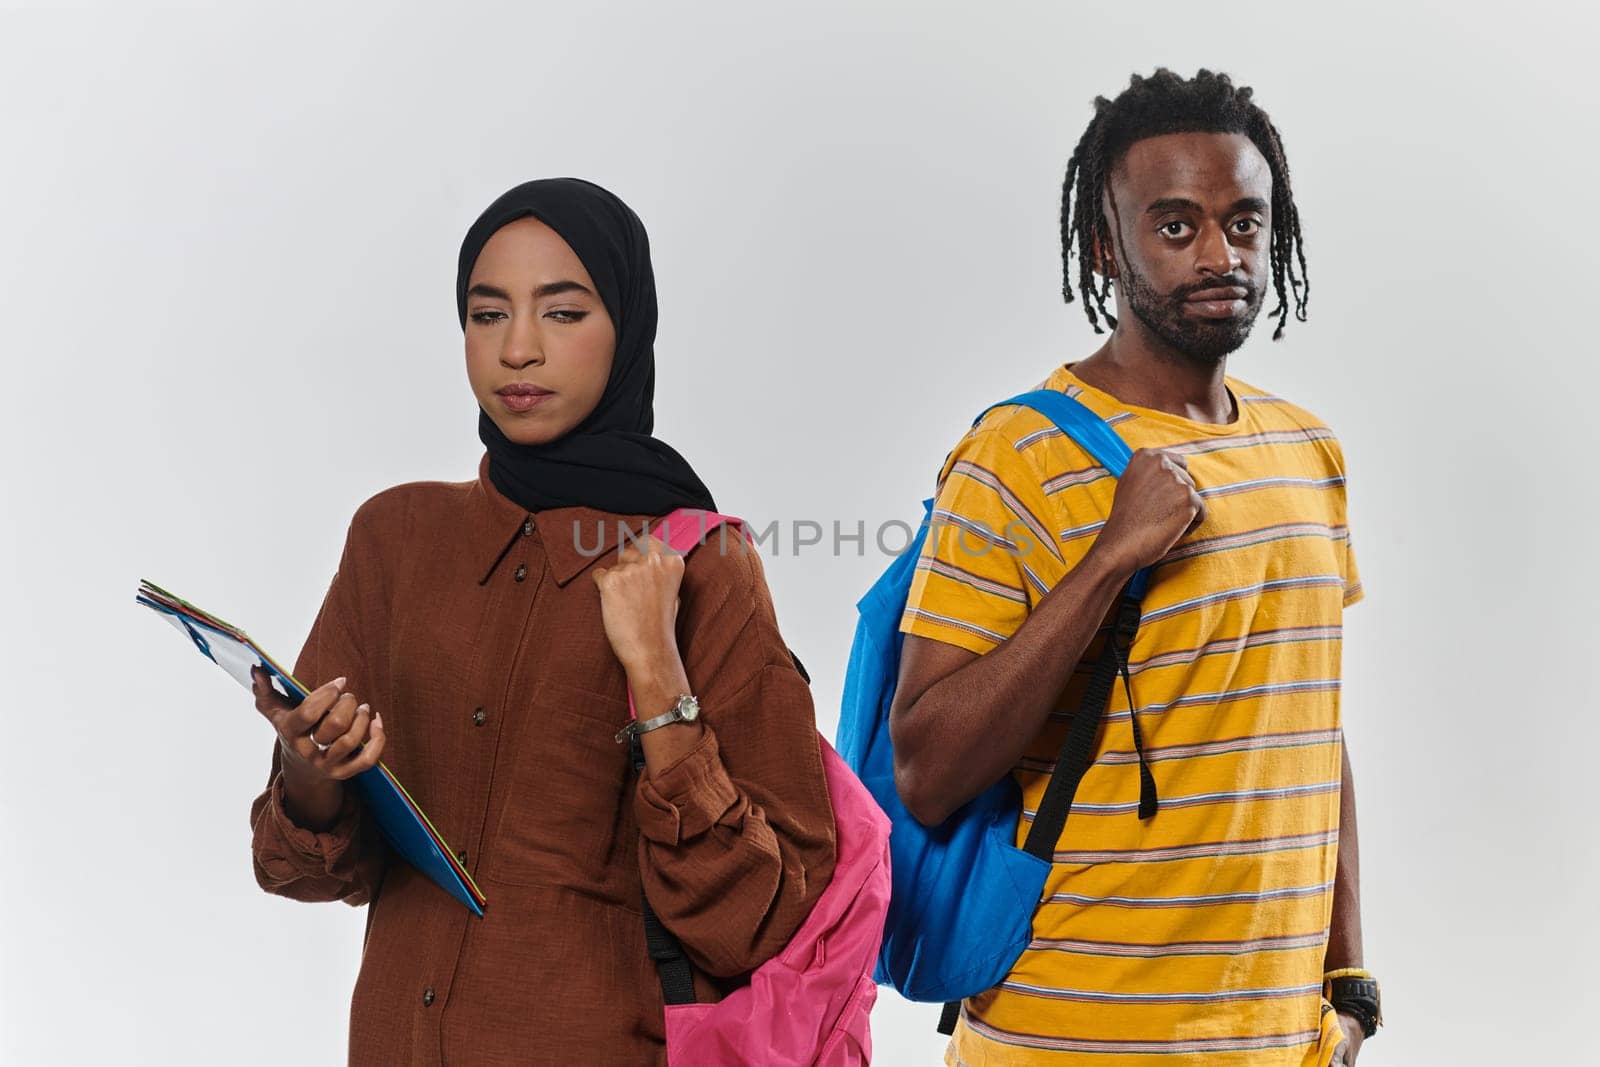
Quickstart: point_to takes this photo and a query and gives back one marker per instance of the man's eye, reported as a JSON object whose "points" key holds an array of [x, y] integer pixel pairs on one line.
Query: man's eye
{"points": [[487, 316], [1247, 226], [1174, 229]]}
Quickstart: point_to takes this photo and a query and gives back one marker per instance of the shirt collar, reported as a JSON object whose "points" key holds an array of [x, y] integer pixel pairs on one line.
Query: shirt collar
{"points": [[572, 538]]}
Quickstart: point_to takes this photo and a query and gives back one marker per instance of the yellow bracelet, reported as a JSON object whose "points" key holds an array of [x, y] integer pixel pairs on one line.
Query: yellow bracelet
{"points": [[1349, 972]]}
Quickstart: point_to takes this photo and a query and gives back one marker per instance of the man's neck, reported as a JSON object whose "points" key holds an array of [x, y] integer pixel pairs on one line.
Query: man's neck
{"points": [[1142, 371]]}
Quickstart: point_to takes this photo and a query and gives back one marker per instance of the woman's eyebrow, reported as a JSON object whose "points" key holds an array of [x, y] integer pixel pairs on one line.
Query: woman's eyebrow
{"points": [[494, 292], [552, 288]]}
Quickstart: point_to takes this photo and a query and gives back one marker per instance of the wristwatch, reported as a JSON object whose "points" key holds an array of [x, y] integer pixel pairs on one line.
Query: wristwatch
{"points": [[685, 709], [1357, 994]]}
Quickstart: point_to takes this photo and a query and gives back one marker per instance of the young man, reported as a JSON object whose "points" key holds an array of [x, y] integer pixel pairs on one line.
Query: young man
{"points": [[1218, 929]]}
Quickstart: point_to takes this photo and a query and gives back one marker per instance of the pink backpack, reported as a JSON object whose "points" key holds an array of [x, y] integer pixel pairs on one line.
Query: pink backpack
{"points": [[809, 1004]]}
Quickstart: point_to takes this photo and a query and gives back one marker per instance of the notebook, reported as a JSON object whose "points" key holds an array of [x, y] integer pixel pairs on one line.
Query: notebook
{"points": [[404, 825]]}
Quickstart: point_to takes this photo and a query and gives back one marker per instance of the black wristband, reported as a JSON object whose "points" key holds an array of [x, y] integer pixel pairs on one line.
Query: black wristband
{"points": [[1357, 997]]}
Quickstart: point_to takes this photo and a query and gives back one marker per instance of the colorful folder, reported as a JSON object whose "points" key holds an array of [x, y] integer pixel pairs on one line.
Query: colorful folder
{"points": [[404, 824]]}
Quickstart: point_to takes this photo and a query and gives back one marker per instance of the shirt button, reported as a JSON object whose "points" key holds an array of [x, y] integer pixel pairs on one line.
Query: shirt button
{"points": [[479, 717], [521, 572], [427, 997], [527, 527]]}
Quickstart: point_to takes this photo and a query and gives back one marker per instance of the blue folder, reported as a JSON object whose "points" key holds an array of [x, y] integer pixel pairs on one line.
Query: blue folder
{"points": [[404, 825]]}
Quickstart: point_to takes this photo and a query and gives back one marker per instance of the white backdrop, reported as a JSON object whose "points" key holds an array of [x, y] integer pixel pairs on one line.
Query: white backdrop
{"points": [[227, 249]]}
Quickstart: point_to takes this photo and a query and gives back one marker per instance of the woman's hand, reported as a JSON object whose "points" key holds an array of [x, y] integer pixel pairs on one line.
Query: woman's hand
{"points": [[327, 735], [324, 740], [639, 604]]}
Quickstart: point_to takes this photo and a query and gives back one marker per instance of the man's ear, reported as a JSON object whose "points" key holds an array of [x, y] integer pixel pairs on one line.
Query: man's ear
{"points": [[1105, 264]]}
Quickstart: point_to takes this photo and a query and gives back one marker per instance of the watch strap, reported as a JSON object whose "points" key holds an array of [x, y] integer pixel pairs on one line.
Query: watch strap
{"points": [[672, 715], [1357, 996]]}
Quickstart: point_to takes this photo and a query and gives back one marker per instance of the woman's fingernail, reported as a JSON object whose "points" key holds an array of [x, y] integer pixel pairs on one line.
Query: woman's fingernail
{"points": [[365, 707], [338, 683], [379, 720]]}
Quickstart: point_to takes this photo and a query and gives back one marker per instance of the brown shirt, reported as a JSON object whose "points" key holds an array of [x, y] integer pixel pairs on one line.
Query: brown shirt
{"points": [[475, 630]]}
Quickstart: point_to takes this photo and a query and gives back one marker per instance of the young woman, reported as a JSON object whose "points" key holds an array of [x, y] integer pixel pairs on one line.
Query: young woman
{"points": [[482, 637]]}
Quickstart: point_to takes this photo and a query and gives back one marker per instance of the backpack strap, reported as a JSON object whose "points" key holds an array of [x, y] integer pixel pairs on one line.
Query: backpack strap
{"points": [[1073, 418], [672, 966], [685, 528], [1076, 755], [1092, 433]]}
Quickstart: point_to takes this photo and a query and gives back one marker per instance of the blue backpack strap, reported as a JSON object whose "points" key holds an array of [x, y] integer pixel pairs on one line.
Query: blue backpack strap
{"points": [[1075, 419]]}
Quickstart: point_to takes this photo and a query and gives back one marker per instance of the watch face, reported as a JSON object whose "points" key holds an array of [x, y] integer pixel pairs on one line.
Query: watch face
{"points": [[689, 709]]}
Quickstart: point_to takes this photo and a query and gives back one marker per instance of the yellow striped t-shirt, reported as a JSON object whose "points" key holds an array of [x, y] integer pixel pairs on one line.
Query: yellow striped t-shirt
{"points": [[1196, 937]]}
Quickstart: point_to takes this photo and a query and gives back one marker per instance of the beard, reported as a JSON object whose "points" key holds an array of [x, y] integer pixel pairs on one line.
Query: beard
{"points": [[1201, 341]]}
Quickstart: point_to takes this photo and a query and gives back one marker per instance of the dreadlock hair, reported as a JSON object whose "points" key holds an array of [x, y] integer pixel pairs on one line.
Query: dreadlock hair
{"points": [[1149, 107]]}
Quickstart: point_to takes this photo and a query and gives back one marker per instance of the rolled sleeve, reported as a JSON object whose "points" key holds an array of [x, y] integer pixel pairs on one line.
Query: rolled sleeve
{"points": [[311, 851], [689, 797], [343, 862]]}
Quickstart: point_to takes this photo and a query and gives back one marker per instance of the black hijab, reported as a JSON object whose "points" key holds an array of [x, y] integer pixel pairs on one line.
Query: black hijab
{"points": [[609, 461]]}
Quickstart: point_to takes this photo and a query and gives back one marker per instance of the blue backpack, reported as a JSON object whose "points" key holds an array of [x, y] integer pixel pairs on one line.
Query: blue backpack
{"points": [[963, 899]]}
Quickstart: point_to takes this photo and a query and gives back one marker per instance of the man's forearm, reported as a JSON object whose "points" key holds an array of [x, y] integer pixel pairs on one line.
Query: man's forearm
{"points": [[967, 730], [1344, 932]]}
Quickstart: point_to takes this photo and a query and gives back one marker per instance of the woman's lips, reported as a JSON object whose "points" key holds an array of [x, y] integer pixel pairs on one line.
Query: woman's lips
{"points": [[522, 400]]}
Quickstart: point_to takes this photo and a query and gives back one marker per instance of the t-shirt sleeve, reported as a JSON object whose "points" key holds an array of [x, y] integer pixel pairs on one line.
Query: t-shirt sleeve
{"points": [[1353, 591], [991, 552]]}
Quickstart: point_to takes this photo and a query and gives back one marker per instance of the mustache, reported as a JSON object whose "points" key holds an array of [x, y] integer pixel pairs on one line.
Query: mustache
{"points": [[1229, 282]]}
